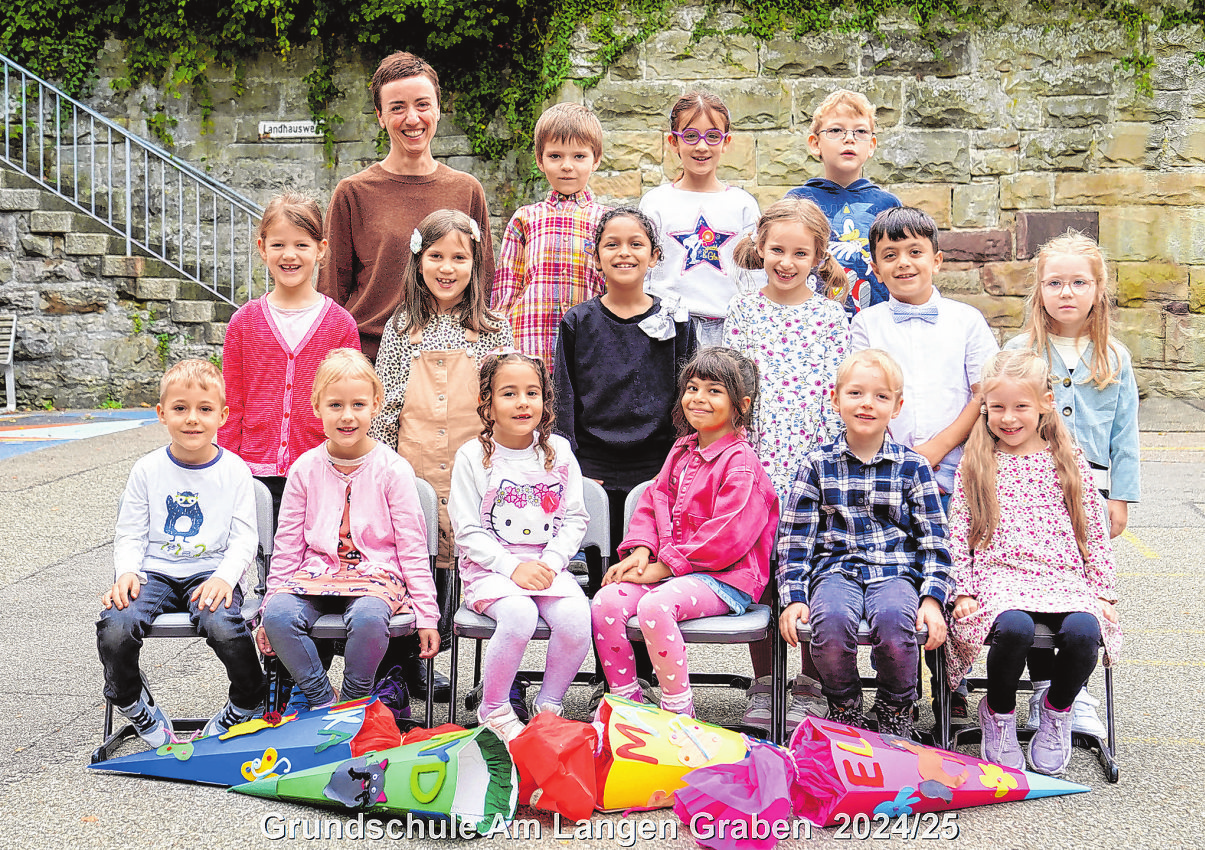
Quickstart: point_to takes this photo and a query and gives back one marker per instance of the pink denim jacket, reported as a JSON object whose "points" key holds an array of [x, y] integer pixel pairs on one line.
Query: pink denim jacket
{"points": [[711, 509], [387, 525]]}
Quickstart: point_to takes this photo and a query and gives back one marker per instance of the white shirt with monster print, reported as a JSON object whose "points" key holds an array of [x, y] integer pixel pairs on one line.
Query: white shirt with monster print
{"points": [[515, 511], [180, 521]]}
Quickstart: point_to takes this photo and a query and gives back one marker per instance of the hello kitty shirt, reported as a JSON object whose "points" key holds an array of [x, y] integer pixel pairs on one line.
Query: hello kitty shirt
{"points": [[515, 511]]}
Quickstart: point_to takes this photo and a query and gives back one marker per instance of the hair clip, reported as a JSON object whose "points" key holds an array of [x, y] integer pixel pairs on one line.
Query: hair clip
{"points": [[983, 410], [475, 229], [416, 241]]}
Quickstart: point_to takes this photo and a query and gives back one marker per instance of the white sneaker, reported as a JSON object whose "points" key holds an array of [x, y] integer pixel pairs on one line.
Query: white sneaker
{"points": [[807, 700], [504, 722], [761, 695], [1084, 718], [1035, 699]]}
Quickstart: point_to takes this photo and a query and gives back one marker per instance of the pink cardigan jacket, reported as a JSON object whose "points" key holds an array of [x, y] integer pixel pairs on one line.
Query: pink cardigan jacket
{"points": [[711, 509], [387, 525]]}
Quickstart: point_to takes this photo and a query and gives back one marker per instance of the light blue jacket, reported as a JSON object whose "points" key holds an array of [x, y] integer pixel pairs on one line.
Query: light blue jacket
{"points": [[1103, 422]]}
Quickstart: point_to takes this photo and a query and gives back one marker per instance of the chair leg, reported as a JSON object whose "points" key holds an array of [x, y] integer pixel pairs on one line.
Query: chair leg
{"points": [[1108, 755], [455, 676], [778, 684], [431, 691]]}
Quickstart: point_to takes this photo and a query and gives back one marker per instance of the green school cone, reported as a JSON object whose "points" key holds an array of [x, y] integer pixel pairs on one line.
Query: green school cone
{"points": [[465, 776]]}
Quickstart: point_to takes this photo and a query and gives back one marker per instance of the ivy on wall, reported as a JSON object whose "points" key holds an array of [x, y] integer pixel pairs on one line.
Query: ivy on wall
{"points": [[498, 60]]}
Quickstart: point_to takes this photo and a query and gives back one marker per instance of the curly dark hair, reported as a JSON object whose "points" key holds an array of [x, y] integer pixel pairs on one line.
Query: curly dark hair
{"points": [[631, 212], [485, 407], [735, 371]]}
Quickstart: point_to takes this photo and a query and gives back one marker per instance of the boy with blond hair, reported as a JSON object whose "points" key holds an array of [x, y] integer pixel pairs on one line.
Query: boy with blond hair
{"points": [[843, 139], [862, 537], [547, 261], [185, 534]]}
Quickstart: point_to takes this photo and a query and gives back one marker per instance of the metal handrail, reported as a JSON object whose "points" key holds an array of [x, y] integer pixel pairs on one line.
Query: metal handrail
{"points": [[199, 227]]}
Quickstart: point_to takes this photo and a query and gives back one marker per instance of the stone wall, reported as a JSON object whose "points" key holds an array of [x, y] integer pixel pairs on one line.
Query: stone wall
{"points": [[1006, 136]]}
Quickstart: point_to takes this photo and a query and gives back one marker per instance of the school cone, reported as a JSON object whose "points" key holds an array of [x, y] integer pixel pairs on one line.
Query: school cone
{"points": [[467, 776], [258, 749]]}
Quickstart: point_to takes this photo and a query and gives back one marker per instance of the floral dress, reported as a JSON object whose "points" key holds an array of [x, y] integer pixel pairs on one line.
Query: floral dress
{"points": [[798, 348], [1032, 563]]}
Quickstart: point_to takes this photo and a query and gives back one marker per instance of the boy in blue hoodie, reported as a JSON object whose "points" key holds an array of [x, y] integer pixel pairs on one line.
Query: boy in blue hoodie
{"points": [[842, 138]]}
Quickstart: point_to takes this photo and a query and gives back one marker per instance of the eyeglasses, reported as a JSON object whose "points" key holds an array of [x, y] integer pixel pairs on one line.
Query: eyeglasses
{"points": [[1077, 285], [691, 137], [839, 134]]}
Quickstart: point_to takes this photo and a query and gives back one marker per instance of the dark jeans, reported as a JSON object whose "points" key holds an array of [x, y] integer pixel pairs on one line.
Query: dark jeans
{"points": [[838, 604], [1076, 642], [119, 636]]}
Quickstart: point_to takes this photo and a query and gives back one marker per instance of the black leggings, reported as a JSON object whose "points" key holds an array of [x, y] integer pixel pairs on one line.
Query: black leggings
{"points": [[1076, 642]]}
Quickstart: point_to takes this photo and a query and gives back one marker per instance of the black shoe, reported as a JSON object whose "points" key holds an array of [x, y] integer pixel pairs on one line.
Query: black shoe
{"points": [[848, 714], [518, 698], [893, 719], [416, 682]]}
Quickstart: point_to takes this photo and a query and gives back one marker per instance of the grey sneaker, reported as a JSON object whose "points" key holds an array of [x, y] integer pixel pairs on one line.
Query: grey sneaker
{"points": [[148, 720], [230, 715], [761, 695], [807, 700], [1035, 699], [849, 713], [1050, 749], [894, 719], [999, 742]]}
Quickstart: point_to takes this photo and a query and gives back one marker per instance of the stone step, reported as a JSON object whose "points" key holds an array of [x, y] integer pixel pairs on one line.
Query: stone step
{"points": [[53, 221]]}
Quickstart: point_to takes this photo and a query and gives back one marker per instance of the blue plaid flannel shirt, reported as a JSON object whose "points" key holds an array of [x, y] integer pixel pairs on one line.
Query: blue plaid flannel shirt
{"points": [[867, 521]]}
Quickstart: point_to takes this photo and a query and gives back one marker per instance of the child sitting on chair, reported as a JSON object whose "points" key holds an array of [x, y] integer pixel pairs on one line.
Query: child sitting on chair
{"points": [[863, 537], [185, 534]]}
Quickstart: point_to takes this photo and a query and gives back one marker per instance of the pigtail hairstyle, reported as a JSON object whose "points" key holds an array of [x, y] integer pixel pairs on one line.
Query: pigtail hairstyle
{"points": [[485, 404], [979, 460], [1039, 324], [735, 371], [750, 251], [418, 305]]}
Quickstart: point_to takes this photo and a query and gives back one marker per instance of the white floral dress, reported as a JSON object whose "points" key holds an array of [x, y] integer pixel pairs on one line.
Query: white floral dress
{"points": [[798, 348], [1032, 562]]}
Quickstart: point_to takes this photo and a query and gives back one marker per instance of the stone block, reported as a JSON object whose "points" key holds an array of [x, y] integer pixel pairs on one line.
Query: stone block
{"points": [[633, 105], [1187, 142], [1141, 330], [1133, 105], [819, 55], [77, 299], [19, 199], [916, 156], [114, 266], [1130, 144], [1025, 111], [784, 158], [993, 162], [976, 246], [903, 53], [676, 55], [10, 236], [617, 189], [51, 221], [625, 150], [1011, 278], [884, 93], [933, 198], [963, 102], [976, 205], [999, 312], [1034, 229], [739, 162], [1077, 111], [1170, 382], [1138, 283], [1196, 289], [1025, 46], [1145, 233], [37, 246], [191, 312], [86, 243], [1055, 150], [628, 66], [215, 333], [957, 279], [1055, 80]]}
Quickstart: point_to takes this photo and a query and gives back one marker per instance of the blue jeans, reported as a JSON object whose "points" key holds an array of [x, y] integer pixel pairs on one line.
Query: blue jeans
{"points": [[288, 620], [838, 605], [119, 637]]}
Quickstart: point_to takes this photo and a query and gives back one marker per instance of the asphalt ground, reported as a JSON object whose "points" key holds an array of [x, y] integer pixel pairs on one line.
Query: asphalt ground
{"points": [[57, 509]]}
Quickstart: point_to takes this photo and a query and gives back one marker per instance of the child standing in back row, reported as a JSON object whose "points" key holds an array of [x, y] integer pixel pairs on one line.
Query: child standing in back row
{"points": [[547, 262], [275, 343], [699, 220], [795, 330], [842, 138], [1095, 393]]}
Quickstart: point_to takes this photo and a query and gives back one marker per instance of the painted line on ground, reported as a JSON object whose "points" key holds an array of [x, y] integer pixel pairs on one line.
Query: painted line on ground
{"points": [[1143, 550]]}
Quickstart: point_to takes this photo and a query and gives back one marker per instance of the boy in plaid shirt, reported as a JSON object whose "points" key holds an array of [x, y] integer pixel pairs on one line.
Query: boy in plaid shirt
{"points": [[862, 536], [547, 261]]}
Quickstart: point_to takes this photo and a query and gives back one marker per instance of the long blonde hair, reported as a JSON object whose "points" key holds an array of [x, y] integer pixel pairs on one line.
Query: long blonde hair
{"points": [[1039, 324], [979, 461], [748, 252]]}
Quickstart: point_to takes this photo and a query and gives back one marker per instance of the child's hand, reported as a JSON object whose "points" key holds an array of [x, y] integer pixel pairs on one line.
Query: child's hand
{"points": [[213, 592], [786, 621], [965, 606], [649, 574], [428, 642], [638, 559], [123, 590], [533, 575], [1107, 609], [1119, 515], [930, 453], [930, 614], [261, 640]]}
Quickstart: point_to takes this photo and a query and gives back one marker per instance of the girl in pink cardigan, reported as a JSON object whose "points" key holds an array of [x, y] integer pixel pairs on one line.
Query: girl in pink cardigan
{"points": [[274, 345], [700, 540], [351, 540]]}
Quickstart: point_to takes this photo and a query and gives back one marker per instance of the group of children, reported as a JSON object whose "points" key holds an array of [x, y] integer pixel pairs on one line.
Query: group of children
{"points": [[693, 342]]}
